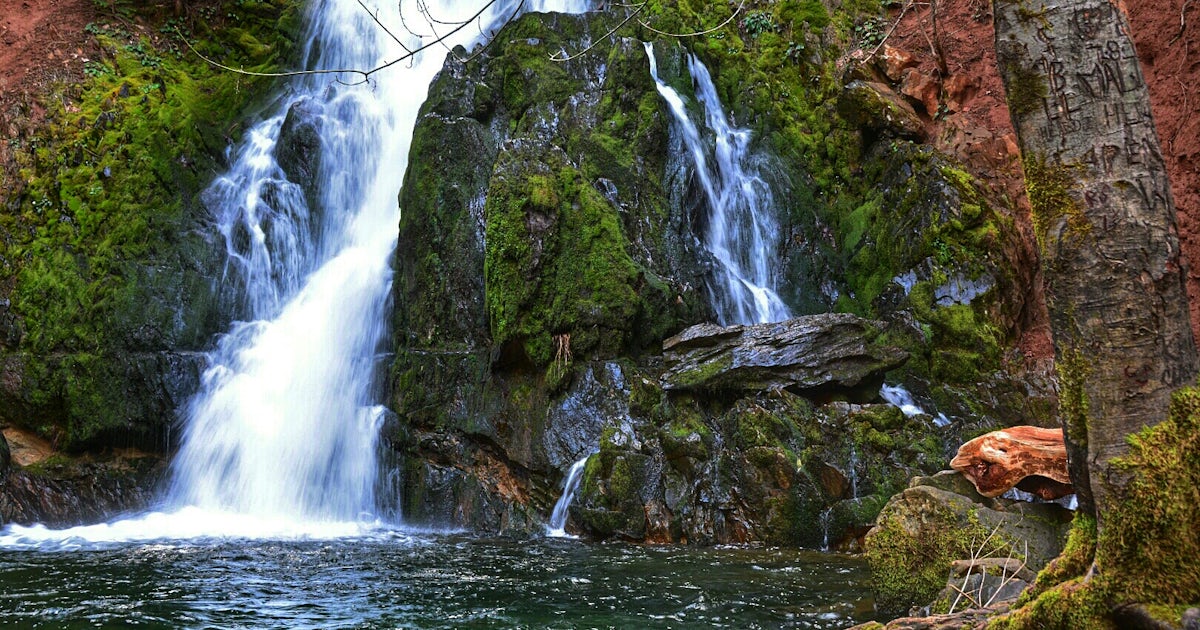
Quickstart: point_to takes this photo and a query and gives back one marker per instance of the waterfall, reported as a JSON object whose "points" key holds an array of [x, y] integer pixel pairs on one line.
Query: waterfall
{"points": [[853, 472], [281, 439], [899, 397], [741, 233], [558, 518]]}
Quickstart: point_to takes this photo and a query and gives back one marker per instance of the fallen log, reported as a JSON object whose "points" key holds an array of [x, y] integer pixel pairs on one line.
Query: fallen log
{"points": [[1027, 458]]}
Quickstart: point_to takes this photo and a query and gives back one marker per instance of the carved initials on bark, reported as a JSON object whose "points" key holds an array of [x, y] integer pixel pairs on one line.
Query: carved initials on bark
{"points": [[1028, 458]]}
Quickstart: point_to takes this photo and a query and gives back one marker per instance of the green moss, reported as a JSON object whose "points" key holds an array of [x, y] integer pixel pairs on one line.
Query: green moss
{"points": [[1026, 89], [100, 227], [1073, 605], [1075, 559], [557, 264], [1050, 187], [910, 567], [1073, 371], [1144, 550], [1147, 547]]}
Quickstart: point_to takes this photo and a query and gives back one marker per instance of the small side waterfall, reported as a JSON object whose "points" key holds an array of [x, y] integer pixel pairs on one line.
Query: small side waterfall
{"points": [[899, 397], [558, 518], [741, 232]]}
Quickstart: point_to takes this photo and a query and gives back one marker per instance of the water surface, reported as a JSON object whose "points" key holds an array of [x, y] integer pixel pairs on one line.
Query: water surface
{"points": [[400, 579]]}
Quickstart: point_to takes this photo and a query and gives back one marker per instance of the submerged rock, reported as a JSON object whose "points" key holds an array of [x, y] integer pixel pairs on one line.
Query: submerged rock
{"points": [[830, 352]]}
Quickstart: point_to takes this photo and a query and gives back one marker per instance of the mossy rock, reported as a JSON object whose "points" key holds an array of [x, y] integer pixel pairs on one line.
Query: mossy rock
{"points": [[922, 530]]}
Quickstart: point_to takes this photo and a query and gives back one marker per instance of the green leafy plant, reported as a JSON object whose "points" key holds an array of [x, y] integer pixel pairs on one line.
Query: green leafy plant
{"points": [[871, 32], [758, 22]]}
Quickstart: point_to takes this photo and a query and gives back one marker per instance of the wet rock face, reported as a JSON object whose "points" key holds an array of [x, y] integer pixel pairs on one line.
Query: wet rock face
{"points": [[72, 493], [298, 150], [121, 400], [770, 466], [536, 245], [830, 352], [533, 218], [5, 457]]}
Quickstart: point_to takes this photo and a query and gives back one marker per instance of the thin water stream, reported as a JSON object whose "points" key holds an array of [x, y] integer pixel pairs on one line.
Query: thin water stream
{"points": [[741, 230]]}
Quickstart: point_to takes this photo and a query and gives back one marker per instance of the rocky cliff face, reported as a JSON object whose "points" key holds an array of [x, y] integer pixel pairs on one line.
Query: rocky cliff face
{"points": [[547, 250]]}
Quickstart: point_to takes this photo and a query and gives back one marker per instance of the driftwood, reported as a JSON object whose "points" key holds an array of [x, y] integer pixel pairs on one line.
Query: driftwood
{"points": [[1027, 458]]}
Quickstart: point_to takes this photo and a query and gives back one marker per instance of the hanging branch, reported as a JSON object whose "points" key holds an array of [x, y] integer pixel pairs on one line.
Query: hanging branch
{"points": [[638, 8], [365, 74]]}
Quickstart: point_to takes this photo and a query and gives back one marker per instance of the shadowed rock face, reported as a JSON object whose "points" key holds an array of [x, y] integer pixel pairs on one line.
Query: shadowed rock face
{"points": [[1029, 458]]}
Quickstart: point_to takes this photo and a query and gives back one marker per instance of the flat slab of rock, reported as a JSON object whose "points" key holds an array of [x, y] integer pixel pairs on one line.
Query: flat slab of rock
{"points": [[831, 351]]}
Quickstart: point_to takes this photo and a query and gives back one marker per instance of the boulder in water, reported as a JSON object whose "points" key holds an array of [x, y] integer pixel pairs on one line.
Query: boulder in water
{"points": [[832, 351], [298, 150]]}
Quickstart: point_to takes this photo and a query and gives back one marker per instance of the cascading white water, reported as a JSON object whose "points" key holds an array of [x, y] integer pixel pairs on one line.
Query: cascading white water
{"points": [[557, 527], [741, 233], [280, 441], [899, 397]]}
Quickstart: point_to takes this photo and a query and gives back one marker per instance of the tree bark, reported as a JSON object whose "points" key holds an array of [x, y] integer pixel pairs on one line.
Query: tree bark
{"points": [[1106, 228]]}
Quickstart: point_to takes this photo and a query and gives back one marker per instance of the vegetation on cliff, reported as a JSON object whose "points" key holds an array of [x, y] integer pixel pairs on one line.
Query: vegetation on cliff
{"points": [[103, 261]]}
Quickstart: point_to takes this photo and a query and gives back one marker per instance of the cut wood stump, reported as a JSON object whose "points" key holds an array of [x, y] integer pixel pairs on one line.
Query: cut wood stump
{"points": [[1027, 458]]}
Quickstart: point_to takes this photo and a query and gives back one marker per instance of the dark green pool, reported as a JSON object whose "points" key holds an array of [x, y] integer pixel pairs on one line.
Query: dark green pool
{"points": [[407, 580]]}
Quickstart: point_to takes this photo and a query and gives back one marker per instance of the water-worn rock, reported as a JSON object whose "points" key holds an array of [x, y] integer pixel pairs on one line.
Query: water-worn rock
{"points": [[5, 457], [75, 492], [298, 150], [1028, 458], [831, 352]]}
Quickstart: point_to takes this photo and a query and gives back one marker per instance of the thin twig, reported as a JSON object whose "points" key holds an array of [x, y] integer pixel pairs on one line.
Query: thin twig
{"points": [[903, 10], [375, 18], [365, 74], [604, 37], [706, 31]]}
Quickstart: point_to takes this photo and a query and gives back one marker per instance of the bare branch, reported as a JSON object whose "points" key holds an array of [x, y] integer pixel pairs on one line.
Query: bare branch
{"points": [[614, 29], [903, 9], [365, 74], [375, 18], [718, 27]]}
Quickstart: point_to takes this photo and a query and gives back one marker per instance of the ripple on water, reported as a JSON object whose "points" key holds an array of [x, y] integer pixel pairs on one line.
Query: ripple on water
{"points": [[429, 581]]}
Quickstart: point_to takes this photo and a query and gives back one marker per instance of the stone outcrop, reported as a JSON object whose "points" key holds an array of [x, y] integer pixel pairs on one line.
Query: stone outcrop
{"points": [[831, 352], [544, 260], [1028, 458], [75, 492]]}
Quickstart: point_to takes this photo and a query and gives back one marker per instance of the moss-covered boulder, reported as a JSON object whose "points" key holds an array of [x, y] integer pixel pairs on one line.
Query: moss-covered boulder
{"points": [[941, 519]]}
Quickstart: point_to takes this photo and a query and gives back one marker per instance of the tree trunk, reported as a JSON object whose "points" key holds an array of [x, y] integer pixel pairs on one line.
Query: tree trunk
{"points": [[1105, 223]]}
